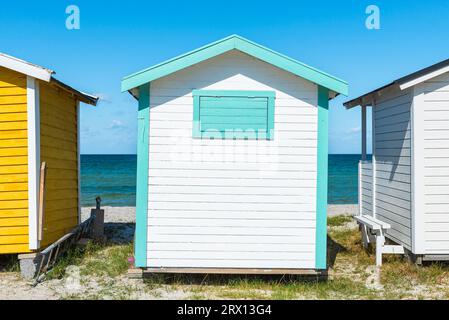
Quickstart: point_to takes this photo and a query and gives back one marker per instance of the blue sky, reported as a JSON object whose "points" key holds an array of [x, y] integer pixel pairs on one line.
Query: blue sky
{"points": [[119, 38]]}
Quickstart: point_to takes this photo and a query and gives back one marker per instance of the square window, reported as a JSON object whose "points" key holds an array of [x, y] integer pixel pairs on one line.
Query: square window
{"points": [[238, 115]]}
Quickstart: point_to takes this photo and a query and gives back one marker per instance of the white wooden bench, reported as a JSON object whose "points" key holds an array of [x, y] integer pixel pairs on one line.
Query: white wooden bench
{"points": [[373, 230]]}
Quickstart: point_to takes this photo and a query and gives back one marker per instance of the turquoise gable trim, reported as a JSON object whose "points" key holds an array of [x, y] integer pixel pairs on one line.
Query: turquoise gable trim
{"points": [[233, 114], [141, 236], [322, 178], [235, 42]]}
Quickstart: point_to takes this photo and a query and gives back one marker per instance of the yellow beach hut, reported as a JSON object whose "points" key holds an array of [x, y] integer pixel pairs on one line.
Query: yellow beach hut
{"points": [[39, 122]]}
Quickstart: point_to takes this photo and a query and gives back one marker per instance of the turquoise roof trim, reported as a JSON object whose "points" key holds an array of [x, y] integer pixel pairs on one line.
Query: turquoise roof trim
{"points": [[235, 42]]}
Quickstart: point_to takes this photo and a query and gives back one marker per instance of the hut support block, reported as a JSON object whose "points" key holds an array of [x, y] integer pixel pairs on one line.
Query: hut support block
{"points": [[414, 258], [29, 264]]}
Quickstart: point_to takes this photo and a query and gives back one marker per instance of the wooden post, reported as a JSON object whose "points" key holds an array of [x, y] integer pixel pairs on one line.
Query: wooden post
{"points": [[363, 159], [364, 133], [40, 230], [380, 242], [98, 221]]}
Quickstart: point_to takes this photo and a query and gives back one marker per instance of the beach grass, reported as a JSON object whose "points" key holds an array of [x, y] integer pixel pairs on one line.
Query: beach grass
{"points": [[338, 221], [111, 262], [94, 259]]}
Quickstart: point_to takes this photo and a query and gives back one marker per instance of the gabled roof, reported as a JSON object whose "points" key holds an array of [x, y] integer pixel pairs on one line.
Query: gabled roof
{"points": [[235, 42], [402, 83], [43, 74]]}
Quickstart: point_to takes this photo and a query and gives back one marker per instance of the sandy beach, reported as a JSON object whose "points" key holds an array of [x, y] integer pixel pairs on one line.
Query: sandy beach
{"points": [[128, 214]]}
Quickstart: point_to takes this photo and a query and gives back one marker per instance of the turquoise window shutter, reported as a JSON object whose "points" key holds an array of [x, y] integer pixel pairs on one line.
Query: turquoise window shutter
{"points": [[234, 115]]}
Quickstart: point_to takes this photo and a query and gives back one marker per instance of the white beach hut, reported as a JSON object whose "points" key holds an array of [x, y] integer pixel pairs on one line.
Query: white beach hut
{"points": [[404, 190], [232, 161]]}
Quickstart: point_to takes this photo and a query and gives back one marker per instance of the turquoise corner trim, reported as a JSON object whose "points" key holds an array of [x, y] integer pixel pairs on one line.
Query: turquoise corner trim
{"points": [[213, 121], [271, 114], [322, 178], [141, 236], [239, 43]]}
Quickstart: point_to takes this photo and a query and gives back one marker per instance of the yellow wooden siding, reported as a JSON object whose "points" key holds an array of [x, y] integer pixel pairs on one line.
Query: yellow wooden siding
{"points": [[13, 163], [59, 149]]}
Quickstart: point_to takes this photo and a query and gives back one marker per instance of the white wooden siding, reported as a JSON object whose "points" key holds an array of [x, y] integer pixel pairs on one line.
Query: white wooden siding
{"points": [[393, 164], [366, 188], [232, 204], [436, 164]]}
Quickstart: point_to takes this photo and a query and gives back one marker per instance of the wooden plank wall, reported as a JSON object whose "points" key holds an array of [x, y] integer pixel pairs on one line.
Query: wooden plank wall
{"points": [[232, 204], [13, 163], [367, 189], [393, 164], [436, 165], [59, 149]]}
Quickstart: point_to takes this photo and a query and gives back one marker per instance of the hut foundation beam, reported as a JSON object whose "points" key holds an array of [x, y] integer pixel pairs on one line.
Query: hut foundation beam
{"points": [[139, 272]]}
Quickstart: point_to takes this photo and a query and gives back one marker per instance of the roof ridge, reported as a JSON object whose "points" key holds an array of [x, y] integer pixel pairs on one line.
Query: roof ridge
{"points": [[244, 45]]}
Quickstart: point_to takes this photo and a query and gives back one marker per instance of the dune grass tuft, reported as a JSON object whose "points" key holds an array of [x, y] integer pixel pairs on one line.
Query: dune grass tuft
{"points": [[339, 221]]}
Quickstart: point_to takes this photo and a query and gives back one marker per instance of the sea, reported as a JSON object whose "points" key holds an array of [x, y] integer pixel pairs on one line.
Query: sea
{"points": [[113, 178]]}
